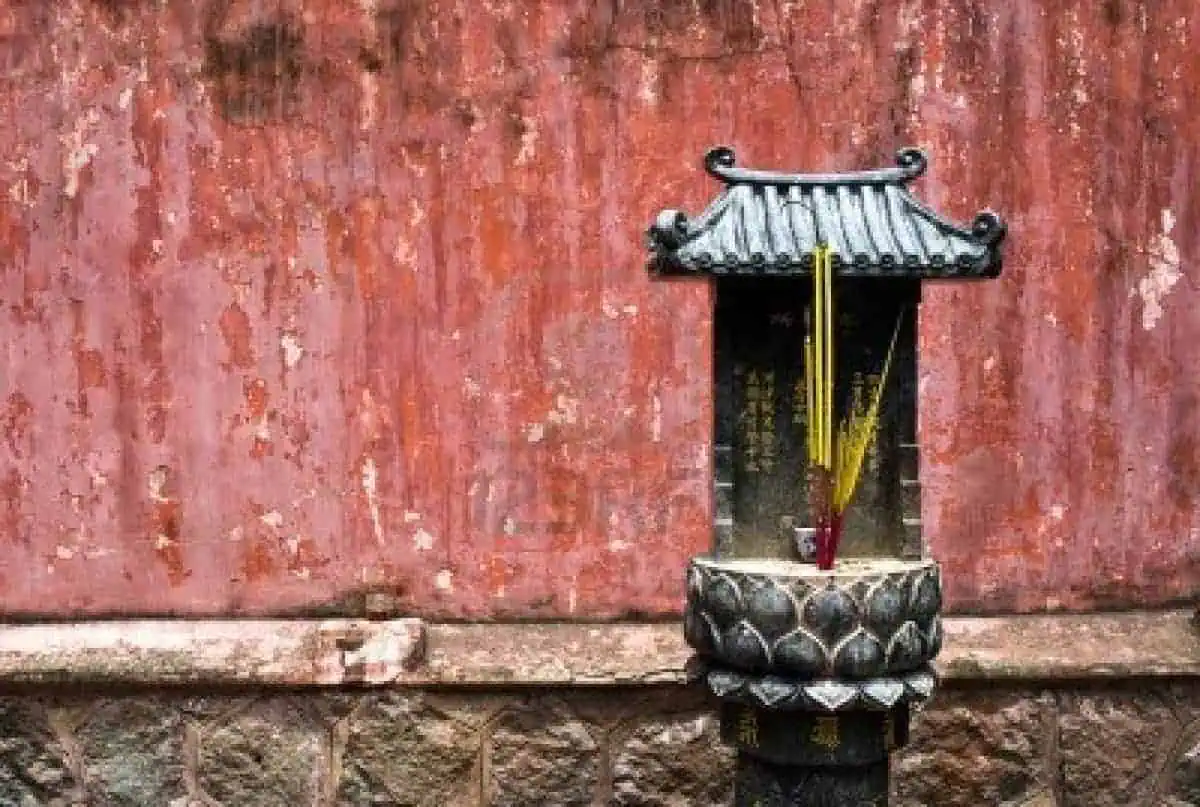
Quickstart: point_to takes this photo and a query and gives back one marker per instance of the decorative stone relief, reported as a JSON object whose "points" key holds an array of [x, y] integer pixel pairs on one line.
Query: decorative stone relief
{"points": [[870, 624]]}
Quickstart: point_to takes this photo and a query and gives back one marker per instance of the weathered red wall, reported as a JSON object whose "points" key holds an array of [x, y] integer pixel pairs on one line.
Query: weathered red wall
{"points": [[307, 297]]}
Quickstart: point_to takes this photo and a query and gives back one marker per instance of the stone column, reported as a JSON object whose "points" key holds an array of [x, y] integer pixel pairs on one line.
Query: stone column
{"points": [[816, 671]]}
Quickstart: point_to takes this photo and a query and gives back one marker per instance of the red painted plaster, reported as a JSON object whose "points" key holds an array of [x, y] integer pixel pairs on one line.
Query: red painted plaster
{"points": [[309, 297]]}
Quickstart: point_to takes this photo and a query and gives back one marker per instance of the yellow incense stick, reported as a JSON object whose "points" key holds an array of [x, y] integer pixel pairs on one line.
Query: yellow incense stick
{"points": [[860, 434], [819, 349], [810, 392], [827, 290]]}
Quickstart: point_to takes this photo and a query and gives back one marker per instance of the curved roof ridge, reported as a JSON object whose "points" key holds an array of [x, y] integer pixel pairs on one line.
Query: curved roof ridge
{"points": [[986, 227], [720, 162]]}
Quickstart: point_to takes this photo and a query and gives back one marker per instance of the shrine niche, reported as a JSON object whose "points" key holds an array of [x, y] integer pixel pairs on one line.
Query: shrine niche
{"points": [[817, 614], [760, 240]]}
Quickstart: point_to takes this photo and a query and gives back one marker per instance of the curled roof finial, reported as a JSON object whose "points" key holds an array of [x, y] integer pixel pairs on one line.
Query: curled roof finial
{"points": [[988, 227], [912, 161], [717, 160], [669, 230]]}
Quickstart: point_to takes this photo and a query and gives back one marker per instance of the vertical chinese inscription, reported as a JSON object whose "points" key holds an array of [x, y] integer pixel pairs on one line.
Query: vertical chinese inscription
{"points": [[800, 404], [757, 421], [862, 391], [825, 732], [747, 728]]}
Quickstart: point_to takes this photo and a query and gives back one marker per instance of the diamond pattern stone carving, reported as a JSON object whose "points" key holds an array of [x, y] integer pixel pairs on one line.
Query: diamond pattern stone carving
{"points": [[824, 695], [794, 621], [883, 693], [831, 695]]}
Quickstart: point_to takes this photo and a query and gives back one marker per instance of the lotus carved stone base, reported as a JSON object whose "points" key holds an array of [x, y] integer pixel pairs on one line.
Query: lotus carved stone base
{"points": [[875, 618]]}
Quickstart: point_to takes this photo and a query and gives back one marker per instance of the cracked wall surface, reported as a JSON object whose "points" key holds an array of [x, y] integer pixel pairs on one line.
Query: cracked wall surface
{"points": [[310, 300]]}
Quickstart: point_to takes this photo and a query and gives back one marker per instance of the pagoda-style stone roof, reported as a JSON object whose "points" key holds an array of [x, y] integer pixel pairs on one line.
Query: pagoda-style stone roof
{"points": [[769, 223]]}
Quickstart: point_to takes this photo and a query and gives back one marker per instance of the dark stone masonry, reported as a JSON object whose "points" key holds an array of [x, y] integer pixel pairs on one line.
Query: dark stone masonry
{"points": [[1126, 745]]}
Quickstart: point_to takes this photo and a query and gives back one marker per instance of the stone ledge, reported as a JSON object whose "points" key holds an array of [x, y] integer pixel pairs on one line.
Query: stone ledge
{"points": [[1152, 644], [1160, 644], [217, 652], [404, 652]]}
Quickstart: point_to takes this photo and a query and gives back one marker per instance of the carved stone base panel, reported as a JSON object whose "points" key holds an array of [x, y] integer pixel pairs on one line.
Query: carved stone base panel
{"points": [[812, 758], [853, 739], [862, 619]]}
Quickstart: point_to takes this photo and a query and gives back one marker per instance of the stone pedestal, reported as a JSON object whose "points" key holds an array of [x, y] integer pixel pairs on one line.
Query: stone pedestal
{"points": [[816, 671]]}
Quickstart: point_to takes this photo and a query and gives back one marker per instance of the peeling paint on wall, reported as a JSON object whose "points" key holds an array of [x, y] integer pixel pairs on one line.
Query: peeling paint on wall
{"points": [[1164, 273], [275, 276]]}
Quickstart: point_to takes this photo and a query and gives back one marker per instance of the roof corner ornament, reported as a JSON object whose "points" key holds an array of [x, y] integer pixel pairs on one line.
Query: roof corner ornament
{"points": [[669, 230], [989, 228], [717, 162], [912, 162]]}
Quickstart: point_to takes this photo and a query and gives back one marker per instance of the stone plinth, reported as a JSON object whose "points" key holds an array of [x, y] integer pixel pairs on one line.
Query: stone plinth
{"points": [[816, 670]]}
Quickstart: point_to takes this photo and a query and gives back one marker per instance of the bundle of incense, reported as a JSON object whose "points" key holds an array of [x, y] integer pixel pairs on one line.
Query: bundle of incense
{"points": [[833, 477]]}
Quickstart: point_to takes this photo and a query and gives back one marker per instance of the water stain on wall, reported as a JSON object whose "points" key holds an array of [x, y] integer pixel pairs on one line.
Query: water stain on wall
{"points": [[256, 74]]}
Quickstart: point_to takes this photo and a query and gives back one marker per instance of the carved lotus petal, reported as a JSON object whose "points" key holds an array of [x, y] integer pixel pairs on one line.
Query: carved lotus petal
{"points": [[831, 695], [926, 595], [770, 608], [799, 654], [906, 651], [920, 684], [772, 690], [933, 637], [886, 606], [827, 694], [724, 600], [695, 584], [699, 632], [858, 656], [724, 683], [743, 647], [830, 614], [883, 692]]}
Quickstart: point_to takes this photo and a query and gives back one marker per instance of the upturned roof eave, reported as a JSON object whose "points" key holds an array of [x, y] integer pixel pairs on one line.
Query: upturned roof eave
{"points": [[975, 251]]}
